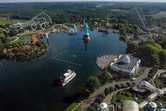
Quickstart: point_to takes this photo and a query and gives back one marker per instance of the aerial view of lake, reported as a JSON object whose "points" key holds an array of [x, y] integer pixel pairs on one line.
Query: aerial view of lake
{"points": [[31, 86]]}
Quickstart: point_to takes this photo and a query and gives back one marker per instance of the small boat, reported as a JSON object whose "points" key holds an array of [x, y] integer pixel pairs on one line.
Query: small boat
{"points": [[67, 77]]}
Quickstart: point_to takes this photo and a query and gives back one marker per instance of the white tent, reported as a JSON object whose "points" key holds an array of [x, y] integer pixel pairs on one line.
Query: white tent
{"points": [[103, 105], [152, 104]]}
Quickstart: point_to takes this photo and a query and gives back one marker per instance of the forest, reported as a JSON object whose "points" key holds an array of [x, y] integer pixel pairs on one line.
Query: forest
{"points": [[75, 12]]}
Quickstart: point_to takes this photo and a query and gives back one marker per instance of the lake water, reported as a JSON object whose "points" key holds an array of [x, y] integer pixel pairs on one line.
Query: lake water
{"points": [[30, 86]]}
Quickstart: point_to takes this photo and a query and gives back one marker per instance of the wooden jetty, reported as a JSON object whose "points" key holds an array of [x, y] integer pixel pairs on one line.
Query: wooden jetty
{"points": [[104, 61]]}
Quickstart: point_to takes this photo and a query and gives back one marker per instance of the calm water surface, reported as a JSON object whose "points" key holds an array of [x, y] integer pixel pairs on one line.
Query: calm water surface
{"points": [[31, 86]]}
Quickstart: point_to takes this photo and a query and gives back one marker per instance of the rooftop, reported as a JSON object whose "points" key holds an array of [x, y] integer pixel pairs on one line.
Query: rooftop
{"points": [[130, 105], [126, 62]]}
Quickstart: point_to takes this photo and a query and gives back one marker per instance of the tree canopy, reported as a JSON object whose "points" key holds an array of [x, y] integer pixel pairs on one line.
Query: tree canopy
{"points": [[92, 83]]}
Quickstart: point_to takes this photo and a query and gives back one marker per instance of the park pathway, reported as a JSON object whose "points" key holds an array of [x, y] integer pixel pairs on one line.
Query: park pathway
{"points": [[86, 104]]}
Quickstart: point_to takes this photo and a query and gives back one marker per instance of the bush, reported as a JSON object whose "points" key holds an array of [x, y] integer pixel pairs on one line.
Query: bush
{"points": [[122, 85], [87, 93], [133, 83], [102, 95], [128, 83], [120, 100], [127, 94], [117, 86], [107, 91], [99, 100], [92, 108], [96, 105], [112, 89]]}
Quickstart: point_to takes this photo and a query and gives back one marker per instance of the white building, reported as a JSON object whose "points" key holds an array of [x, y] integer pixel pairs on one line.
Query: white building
{"points": [[153, 106], [129, 105], [103, 107], [127, 64]]}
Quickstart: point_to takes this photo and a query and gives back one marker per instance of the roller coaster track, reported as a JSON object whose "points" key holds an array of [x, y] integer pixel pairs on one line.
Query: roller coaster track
{"points": [[140, 17], [3, 30], [41, 19]]}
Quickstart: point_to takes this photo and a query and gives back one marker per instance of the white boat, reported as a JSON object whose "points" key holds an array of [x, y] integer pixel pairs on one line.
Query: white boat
{"points": [[67, 77], [72, 31]]}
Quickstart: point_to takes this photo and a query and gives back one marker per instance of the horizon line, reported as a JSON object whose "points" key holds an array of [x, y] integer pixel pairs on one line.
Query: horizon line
{"points": [[85, 1]]}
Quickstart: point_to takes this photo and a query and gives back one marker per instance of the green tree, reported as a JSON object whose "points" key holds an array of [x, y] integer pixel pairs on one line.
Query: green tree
{"points": [[3, 38], [117, 86], [102, 95], [112, 89], [162, 56], [107, 91], [128, 83], [133, 83], [12, 32], [122, 85], [92, 83], [99, 100], [155, 59], [132, 47], [1, 46], [96, 105], [92, 108]]}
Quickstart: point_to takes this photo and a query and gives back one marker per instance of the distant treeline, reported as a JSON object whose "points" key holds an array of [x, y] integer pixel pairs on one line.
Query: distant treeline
{"points": [[75, 12]]}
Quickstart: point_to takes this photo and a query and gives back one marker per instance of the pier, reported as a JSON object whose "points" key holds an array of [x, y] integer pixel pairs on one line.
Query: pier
{"points": [[104, 61]]}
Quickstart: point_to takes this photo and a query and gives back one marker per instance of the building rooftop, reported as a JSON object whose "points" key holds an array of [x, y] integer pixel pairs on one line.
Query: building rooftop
{"points": [[126, 62], [130, 105], [103, 105], [153, 104]]}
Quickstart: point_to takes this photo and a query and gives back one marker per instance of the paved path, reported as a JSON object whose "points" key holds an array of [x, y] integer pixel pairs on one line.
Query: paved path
{"points": [[34, 37], [109, 98], [86, 104]]}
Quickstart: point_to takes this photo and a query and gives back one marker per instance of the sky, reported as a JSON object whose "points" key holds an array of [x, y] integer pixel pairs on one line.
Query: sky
{"points": [[4, 1]]}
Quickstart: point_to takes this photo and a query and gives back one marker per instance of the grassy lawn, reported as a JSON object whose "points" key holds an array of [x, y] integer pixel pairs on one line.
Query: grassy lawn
{"points": [[119, 10], [23, 35], [162, 14], [10, 21], [78, 108], [127, 95], [98, 6], [71, 106]]}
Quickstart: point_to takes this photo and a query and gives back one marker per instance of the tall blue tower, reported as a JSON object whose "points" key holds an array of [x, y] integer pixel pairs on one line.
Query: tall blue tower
{"points": [[86, 33]]}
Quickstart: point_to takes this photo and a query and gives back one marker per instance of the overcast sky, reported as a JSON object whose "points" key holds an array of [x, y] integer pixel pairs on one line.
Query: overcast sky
{"points": [[2, 1]]}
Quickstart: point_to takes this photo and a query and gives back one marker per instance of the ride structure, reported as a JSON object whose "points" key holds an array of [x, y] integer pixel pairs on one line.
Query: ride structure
{"points": [[42, 19]]}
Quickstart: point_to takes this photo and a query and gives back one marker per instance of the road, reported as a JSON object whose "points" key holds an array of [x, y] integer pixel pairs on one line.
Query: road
{"points": [[85, 105]]}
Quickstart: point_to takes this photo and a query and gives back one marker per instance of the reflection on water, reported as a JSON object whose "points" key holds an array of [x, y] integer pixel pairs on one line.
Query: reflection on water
{"points": [[86, 46], [32, 85]]}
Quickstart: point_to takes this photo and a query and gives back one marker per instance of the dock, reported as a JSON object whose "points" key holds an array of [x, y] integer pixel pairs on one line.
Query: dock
{"points": [[106, 30], [104, 61]]}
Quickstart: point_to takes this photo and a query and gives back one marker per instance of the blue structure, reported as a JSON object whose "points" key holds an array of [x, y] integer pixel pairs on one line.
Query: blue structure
{"points": [[86, 28]]}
